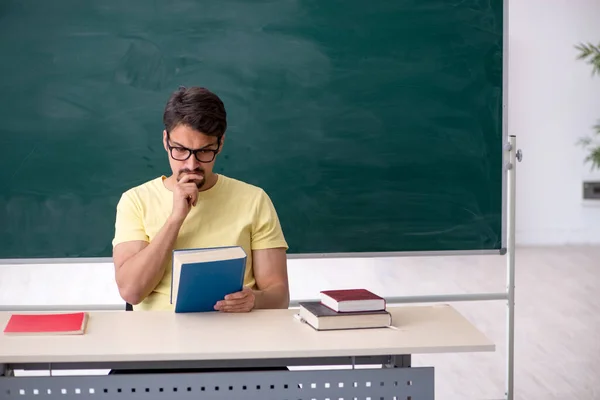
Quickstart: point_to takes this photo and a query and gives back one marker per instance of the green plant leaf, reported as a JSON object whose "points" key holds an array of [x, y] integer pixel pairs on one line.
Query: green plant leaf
{"points": [[594, 157], [590, 53]]}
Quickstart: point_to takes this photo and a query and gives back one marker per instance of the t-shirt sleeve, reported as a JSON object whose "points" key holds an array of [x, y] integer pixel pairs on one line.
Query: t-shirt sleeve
{"points": [[128, 224], [266, 228]]}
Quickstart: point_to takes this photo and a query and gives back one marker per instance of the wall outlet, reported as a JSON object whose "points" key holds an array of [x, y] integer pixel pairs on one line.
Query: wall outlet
{"points": [[591, 190]]}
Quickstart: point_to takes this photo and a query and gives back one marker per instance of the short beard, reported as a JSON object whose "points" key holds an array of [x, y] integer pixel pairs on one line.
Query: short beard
{"points": [[199, 171], [201, 183]]}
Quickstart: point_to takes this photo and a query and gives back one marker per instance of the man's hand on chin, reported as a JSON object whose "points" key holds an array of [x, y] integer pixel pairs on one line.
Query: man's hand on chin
{"points": [[237, 302]]}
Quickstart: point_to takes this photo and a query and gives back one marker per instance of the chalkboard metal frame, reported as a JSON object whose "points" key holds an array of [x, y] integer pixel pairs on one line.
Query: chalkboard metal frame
{"points": [[292, 256]]}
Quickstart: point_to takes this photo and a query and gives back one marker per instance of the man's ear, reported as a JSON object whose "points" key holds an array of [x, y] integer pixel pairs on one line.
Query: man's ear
{"points": [[221, 143], [165, 140]]}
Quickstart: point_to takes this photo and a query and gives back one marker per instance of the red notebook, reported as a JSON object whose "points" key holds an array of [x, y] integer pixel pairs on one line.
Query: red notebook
{"points": [[47, 324], [352, 300]]}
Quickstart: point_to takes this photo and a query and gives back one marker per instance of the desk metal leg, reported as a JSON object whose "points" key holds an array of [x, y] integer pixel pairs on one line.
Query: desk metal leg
{"points": [[374, 383], [5, 370]]}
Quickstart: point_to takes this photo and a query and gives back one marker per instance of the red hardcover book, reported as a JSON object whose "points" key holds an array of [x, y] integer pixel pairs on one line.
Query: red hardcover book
{"points": [[352, 300], [47, 324]]}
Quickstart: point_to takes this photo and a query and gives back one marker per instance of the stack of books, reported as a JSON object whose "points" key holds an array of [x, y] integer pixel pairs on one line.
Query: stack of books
{"points": [[346, 309]]}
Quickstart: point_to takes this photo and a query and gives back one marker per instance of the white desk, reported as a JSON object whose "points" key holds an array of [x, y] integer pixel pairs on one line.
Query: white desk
{"points": [[144, 340]]}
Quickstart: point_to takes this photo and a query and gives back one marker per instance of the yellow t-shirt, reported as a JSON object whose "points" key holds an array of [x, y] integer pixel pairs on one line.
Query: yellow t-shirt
{"points": [[229, 213]]}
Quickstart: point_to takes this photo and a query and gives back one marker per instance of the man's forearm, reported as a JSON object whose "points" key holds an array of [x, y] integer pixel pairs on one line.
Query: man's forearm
{"points": [[276, 296], [140, 274]]}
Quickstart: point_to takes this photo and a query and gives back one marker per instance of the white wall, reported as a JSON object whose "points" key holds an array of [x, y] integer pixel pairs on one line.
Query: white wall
{"points": [[552, 101]]}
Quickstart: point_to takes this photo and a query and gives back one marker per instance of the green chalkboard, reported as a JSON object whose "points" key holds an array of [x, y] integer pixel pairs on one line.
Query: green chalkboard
{"points": [[374, 126]]}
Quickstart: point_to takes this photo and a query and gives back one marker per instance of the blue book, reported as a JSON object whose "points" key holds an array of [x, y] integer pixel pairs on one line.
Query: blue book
{"points": [[201, 277]]}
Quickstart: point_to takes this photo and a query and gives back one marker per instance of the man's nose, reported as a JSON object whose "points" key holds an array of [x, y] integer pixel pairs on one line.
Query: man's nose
{"points": [[192, 163]]}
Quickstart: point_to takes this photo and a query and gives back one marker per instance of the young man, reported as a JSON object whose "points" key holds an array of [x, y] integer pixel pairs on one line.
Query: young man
{"points": [[195, 207]]}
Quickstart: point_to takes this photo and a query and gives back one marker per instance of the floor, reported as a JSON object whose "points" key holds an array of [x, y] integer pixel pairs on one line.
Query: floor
{"points": [[557, 328]]}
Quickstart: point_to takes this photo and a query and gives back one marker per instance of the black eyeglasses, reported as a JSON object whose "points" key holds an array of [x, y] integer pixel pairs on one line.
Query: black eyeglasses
{"points": [[180, 153]]}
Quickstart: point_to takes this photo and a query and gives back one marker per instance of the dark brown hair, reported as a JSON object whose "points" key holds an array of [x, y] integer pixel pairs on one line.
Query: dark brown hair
{"points": [[198, 108]]}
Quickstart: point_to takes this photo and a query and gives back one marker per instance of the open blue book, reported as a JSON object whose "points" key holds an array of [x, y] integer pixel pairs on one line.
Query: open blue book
{"points": [[201, 277]]}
